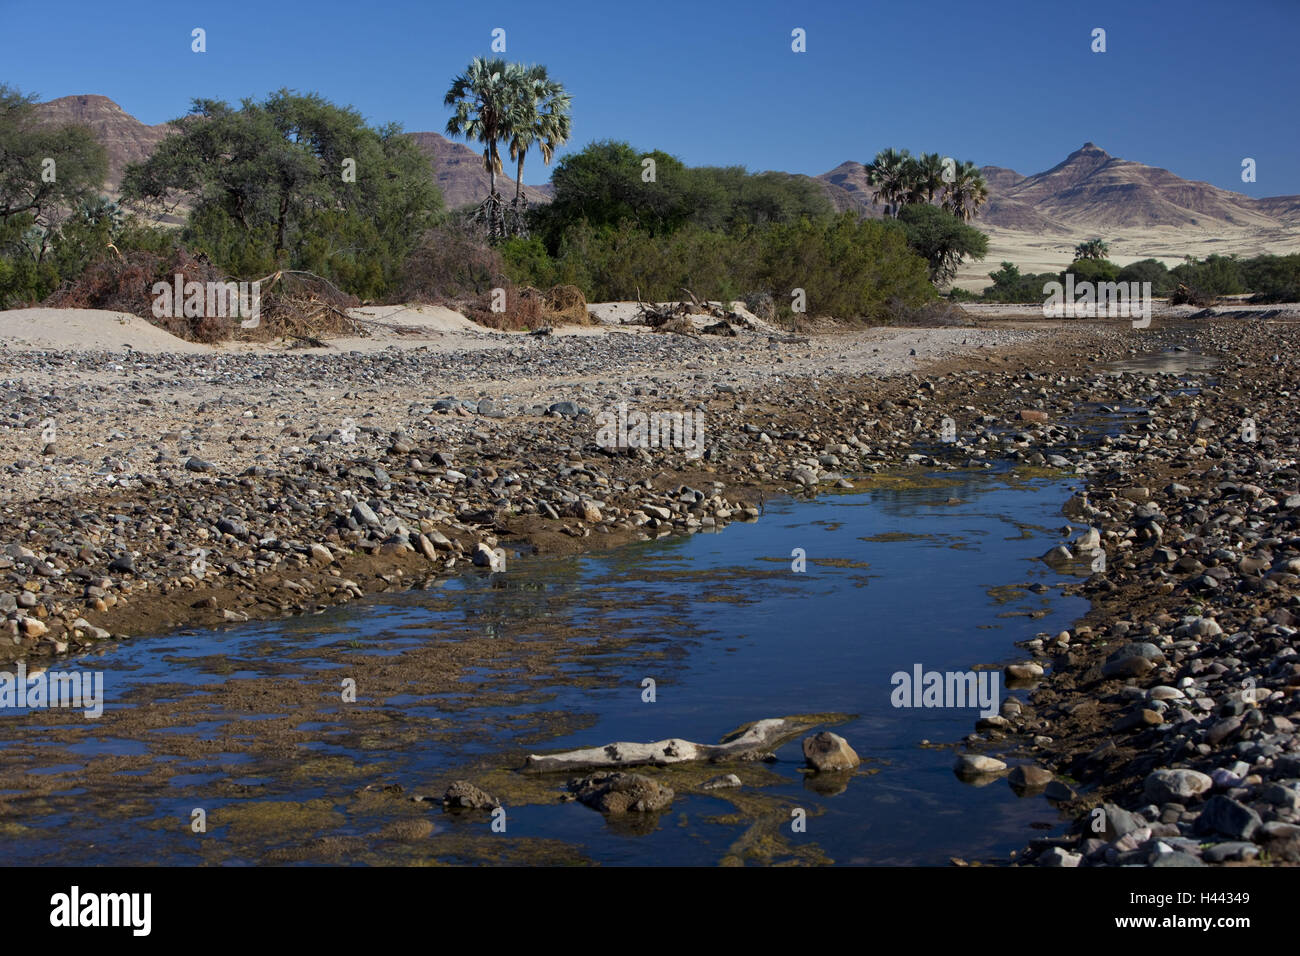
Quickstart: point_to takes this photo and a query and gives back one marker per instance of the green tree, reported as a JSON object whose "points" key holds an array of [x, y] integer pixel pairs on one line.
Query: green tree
{"points": [[1092, 270], [941, 239], [484, 108], [1214, 275], [924, 178], [889, 176], [1091, 249], [292, 182], [540, 117], [44, 169], [967, 193], [1148, 270]]}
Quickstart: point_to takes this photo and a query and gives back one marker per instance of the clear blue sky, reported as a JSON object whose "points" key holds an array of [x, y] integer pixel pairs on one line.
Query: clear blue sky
{"points": [[1191, 85]]}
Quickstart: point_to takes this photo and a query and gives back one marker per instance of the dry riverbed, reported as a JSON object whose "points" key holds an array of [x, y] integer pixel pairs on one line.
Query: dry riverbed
{"points": [[191, 489]]}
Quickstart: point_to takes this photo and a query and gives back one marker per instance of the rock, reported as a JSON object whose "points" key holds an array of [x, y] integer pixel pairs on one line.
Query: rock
{"points": [[616, 792], [566, 409], [124, 564], [1058, 857], [1059, 555], [1222, 730], [1225, 817], [1029, 776], [1236, 850], [485, 557], [723, 782], [971, 765], [198, 464], [321, 555], [586, 510], [1062, 792], [236, 529], [1127, 667], [34, 628], [1119, 822], [1028, 671], [1031, 415], [828, 752], [365, 515], [463, 795], [1175, 786]]}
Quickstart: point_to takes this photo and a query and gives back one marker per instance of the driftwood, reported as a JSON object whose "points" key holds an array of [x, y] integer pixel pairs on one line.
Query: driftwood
{"points": [[749, 743]]}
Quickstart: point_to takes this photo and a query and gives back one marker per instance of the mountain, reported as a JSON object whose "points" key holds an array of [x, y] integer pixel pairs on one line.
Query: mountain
{"points": [[124, 138], [461, 176], [1091, 186], [1092, 191], [458, 169], [847, 188]]}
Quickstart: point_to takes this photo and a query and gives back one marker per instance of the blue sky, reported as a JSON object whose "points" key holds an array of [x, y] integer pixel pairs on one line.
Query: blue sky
{"points": [[1191, 85]]}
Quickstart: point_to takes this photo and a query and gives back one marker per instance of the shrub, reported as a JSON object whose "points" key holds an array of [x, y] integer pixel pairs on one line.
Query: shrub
{"points": [[1149, 270], [452, 262]]}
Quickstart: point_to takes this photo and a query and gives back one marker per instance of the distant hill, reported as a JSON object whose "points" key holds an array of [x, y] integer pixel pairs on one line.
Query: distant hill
{"points": [[461, 176], [124, 138], [1092, 191]]}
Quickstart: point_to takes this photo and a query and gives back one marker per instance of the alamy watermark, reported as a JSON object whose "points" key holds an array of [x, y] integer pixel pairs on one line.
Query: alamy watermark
{"points": [[1088, 300], [198, 300], [64, 689], [961, 689], [636, 429]]}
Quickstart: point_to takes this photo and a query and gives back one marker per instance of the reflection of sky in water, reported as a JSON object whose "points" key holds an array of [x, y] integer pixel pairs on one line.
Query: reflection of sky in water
{"points": [[736, 636]]}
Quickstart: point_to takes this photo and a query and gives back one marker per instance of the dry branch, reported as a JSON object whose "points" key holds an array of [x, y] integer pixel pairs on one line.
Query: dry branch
{"points": [[750, 743]]}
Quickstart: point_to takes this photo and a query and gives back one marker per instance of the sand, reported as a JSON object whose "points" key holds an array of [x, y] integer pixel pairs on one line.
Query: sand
{"points": [[88, 329]]}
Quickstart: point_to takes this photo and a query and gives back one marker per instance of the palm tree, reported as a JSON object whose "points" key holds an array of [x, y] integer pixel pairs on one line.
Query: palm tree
{"points": [[482, 99], [887, 175], [966, 193], [540, 116], [926, 178], [1091, 249]]}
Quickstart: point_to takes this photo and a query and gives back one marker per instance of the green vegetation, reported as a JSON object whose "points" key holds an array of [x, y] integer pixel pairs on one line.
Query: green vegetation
{"points": [[52, 218], [1091, 249], [941, 239], [1269, 278], [899, 179], [292, 183]]}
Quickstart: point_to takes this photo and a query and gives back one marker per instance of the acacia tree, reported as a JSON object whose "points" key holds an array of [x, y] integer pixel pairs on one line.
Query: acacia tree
{"points": [[46, 173], [293, 182], [941, 239]]}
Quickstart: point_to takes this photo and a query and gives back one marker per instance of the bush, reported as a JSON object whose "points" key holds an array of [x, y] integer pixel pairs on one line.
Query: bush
{"points": [[1149, 270], [125, 284], [1092, 270], [941, 239], [451, 263], [1214, 276], [1272, 278], [1011, 285]]}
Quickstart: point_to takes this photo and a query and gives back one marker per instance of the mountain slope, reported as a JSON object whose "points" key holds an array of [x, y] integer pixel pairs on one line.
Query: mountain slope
{"points": [[461, 176], [124, 138], [1092, 191]]}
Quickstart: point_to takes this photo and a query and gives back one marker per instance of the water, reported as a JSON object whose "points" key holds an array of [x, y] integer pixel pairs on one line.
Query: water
{"points": [[462, 680]]}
